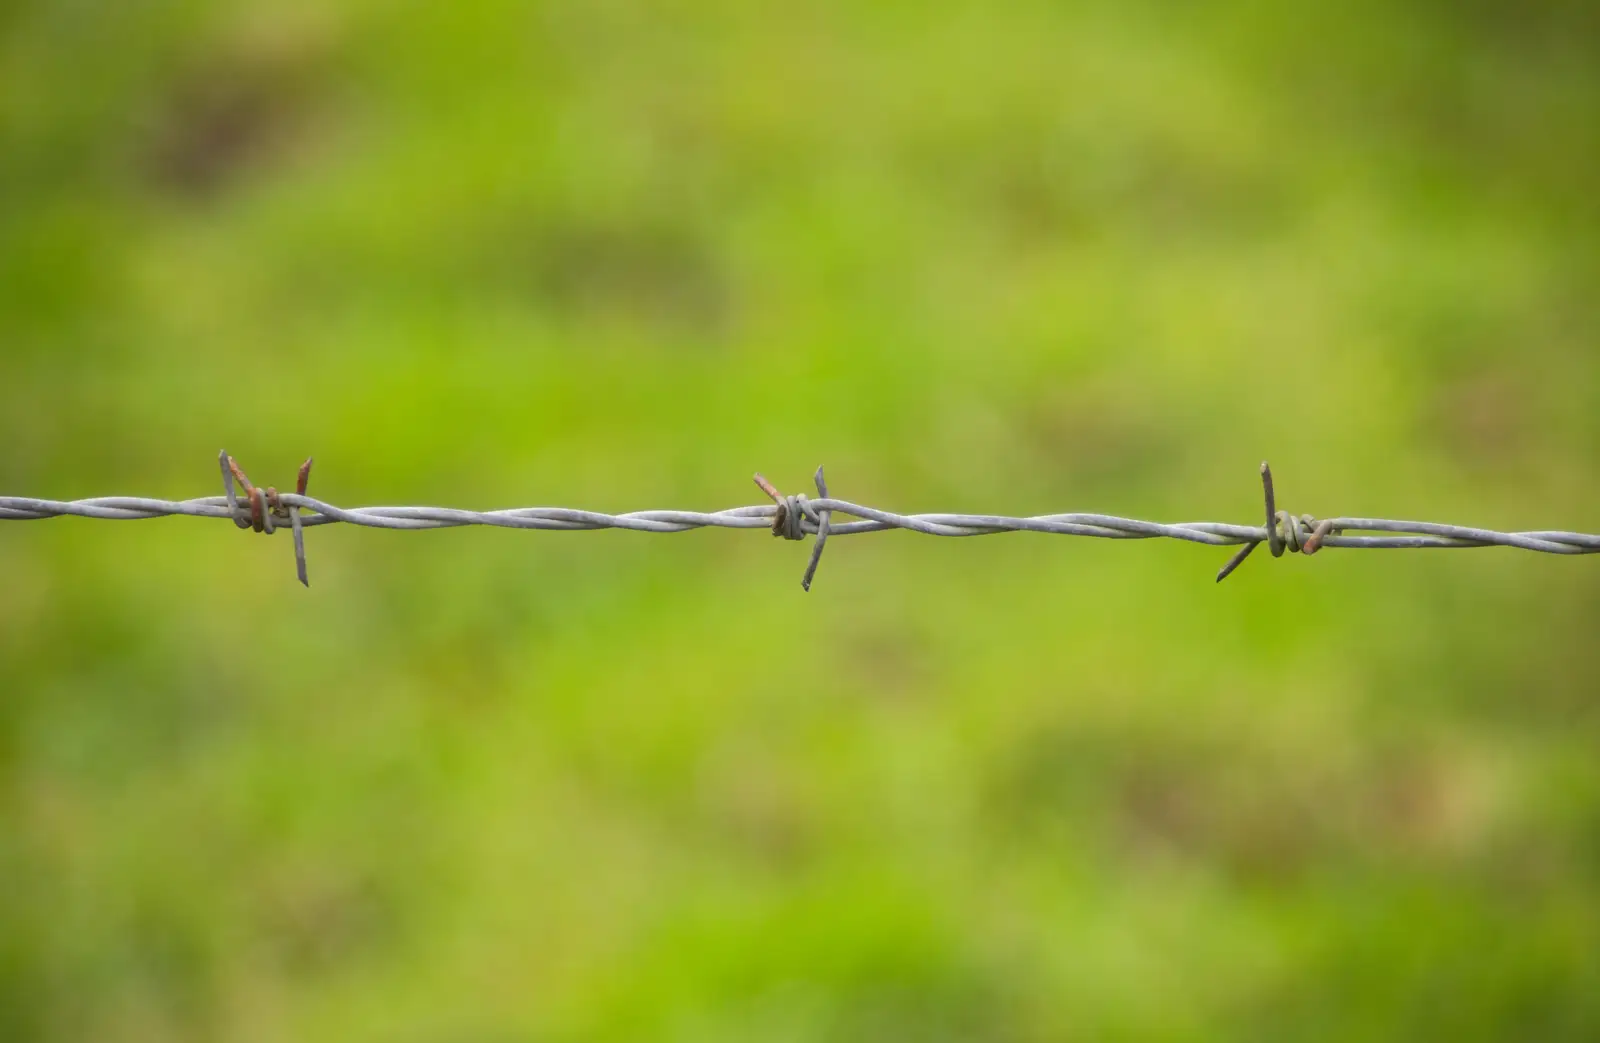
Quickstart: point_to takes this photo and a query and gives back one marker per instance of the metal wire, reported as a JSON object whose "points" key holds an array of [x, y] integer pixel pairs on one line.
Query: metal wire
{"points": [[794, 517]]}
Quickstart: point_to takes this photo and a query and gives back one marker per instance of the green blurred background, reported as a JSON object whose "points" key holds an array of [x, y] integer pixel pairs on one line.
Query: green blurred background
{"points": [[1020, 258]]}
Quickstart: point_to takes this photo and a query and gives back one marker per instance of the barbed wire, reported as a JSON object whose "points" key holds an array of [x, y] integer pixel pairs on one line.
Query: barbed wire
{"points": [[793, 517]]}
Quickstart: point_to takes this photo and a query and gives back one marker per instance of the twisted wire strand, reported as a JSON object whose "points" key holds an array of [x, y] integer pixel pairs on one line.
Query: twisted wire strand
{"points": [[797, 516]]}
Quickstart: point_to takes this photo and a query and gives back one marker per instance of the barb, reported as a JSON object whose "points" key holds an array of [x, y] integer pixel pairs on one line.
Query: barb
{"points": [[266, 507], [795, 517]]}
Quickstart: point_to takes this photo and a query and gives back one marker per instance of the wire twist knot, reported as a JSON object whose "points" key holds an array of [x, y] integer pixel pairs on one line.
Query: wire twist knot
{"points": [[793, 512], [1299, 534]]}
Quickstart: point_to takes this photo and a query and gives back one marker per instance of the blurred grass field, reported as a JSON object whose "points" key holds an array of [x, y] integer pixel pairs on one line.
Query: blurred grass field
{"points": [[485, 785]]}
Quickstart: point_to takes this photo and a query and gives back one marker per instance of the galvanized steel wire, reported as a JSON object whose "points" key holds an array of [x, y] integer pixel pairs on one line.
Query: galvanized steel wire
{"points": [[794, 517]]}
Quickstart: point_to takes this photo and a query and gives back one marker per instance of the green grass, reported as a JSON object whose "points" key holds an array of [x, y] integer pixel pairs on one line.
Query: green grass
{"points": [[483, 785]]}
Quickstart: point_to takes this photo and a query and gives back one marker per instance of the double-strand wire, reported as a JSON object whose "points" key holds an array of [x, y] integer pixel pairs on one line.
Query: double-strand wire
{"points": [[794, 517]]}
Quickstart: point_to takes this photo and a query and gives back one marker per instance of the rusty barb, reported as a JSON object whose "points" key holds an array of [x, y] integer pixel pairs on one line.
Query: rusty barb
{"points": [[795, 517], [1302, 533], [267, 507], [792, 514]]}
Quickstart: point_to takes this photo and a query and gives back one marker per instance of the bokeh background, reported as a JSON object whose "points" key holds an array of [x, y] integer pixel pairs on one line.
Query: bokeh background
{"points": [[1021, 258]]}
